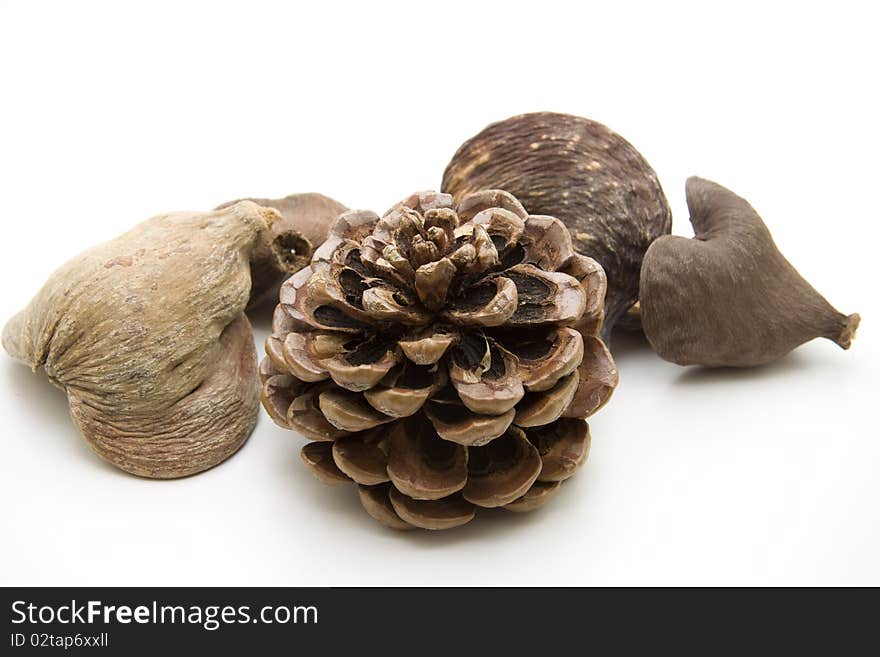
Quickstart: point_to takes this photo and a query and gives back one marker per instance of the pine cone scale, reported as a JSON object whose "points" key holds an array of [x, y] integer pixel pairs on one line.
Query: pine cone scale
{"points": [[435, 356], [453, 422], [422, 465], [377, 503], [363, 458], [446, 513], [510, 465]]}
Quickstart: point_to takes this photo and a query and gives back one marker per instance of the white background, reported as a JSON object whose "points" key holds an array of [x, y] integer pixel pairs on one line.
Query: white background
{"points": [[111, 113]]}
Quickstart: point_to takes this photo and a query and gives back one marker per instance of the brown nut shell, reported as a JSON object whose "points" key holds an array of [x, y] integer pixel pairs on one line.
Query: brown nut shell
{"points": [[580, 172]]}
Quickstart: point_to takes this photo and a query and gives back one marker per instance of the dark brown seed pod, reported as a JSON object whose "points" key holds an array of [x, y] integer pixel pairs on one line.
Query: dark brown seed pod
{"points": [[288, 247], [582, 173], [728, 297]]}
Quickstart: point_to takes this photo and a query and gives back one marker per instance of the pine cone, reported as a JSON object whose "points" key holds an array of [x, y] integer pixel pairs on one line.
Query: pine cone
{"points": [[442, 359]]}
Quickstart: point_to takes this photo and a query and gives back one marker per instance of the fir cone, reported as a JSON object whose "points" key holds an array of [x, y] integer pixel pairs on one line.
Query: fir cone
{"points": [[443, 359]]}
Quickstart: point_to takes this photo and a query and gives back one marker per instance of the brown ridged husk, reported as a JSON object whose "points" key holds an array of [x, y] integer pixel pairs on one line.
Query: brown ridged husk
{"points": [[582, 173]]}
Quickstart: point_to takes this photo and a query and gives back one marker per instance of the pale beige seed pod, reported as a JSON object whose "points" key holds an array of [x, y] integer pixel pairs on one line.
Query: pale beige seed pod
{"points": [[147, 335]]}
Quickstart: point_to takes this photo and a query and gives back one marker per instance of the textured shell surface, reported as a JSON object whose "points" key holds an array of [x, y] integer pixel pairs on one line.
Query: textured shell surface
{"points": [[147, 335], [581, 172]]}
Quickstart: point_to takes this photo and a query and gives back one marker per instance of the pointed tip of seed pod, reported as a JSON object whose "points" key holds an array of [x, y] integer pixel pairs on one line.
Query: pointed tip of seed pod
{"points": [[849, 331], [703, 195], [269, 215], [695, 183], [12, 338], [248, 209]]}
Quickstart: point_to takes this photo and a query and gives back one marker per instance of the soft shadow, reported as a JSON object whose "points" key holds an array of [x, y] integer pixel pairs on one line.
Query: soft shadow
{"points": [[785, 367], [625, 344], [338, 501], [261, 316], [488, 525], [496, 524], [37, 397], [34, 393]]}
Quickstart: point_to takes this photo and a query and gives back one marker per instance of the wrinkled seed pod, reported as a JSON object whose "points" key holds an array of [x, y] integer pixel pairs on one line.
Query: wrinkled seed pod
{"points": [[147, 335], [728, 297], [443, 358], [582, 173]]}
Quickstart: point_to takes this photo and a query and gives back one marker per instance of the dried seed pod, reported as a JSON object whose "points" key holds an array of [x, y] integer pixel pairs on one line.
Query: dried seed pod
{"points": [[146, 333], [582, 173], [288, 245], [728, 297], [631, 320], [465, 336]]}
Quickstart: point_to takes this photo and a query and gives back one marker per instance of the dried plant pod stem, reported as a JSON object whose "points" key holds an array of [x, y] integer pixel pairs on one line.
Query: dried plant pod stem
{"points": [[302, 226]]}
